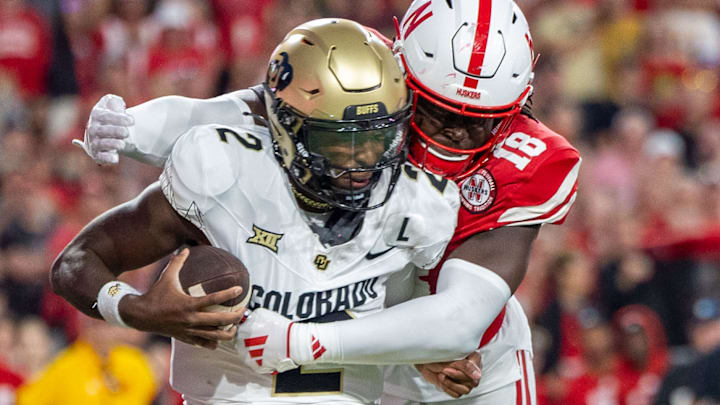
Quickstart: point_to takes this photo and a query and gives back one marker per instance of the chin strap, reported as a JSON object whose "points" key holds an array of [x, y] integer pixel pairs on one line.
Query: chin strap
{"points": [[340, 227], [309, 202]]}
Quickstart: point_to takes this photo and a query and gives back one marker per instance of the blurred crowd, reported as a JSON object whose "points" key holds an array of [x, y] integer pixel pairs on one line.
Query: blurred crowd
{"points": [[623, 299]]}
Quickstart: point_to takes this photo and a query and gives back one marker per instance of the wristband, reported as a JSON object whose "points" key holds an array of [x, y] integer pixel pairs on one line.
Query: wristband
{"points": [[108, 300]]}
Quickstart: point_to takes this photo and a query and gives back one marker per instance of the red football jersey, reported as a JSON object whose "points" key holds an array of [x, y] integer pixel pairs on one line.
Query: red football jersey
{"points": [[530, 178]]}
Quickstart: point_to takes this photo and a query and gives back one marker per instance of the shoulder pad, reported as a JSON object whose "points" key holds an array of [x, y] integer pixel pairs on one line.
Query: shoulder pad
{"points": [[204, 162], [237, 99], [547, 195], [423, 215], [429, 181]]}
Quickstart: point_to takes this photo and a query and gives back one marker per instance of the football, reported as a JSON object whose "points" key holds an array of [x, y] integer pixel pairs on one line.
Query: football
{"points": [[208, 269]]}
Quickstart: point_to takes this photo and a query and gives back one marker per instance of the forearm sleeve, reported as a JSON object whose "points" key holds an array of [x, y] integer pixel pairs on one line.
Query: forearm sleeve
{"points": [[440, 327], [160, 122]]}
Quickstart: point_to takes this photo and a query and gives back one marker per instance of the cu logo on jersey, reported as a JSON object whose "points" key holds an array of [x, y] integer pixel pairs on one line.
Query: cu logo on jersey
{"points": [[280, 73], [478, 191], [321, 262]]}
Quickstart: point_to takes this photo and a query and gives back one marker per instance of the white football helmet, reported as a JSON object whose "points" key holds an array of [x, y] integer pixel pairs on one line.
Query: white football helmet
{"points": [[474, 58]]}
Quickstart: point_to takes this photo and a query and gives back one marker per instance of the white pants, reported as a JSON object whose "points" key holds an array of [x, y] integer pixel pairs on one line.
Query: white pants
{"points": [[520, 392]]}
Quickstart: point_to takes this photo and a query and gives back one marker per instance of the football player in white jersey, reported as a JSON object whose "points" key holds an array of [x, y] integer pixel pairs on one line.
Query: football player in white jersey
{"points": [[320, 207], [514, 177]]}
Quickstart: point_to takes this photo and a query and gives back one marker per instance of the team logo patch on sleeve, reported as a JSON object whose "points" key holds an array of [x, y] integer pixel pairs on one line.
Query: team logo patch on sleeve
{"points": [[478, 191]]}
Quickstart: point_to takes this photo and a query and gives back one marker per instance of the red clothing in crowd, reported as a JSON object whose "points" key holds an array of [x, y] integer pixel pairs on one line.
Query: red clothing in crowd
{"points": [[25, 49], [9, 383], [87, 54], [240, 22], [182, 63], [571, 333], [704, 245], [626, 382], [592, 389], [639, 383]]}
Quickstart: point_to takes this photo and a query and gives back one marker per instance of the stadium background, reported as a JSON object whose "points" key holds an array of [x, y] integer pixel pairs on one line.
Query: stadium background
{"points": [[635, 85]]}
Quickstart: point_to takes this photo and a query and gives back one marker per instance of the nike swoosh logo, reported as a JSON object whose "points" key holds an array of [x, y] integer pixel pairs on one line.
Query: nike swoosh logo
{"points": [[371, 256]]}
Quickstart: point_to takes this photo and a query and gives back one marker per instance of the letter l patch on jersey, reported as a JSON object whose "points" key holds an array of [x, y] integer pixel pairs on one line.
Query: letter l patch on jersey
{"points": [[404, 230]]}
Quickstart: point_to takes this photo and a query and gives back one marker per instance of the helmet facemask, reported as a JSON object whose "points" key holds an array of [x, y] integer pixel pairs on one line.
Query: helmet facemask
{"points": [[338, 163], [339, 112], [453, 140], [472, 59]]}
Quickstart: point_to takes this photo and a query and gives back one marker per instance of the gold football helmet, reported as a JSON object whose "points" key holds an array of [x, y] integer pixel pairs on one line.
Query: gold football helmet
{"points": [[338, 110]]}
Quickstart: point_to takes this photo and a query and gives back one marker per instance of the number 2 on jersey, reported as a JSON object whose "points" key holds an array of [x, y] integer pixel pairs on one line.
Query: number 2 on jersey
{"points": [[519, 149], [250, 141]]}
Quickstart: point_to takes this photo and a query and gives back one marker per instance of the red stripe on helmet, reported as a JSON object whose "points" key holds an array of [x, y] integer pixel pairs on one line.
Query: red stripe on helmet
{"points": [[482, 32], [471, 82], [414, 19]]}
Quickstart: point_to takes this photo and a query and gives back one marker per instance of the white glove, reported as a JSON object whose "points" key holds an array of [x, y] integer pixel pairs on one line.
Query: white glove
{"points": [[261, 341], [106, 130]]}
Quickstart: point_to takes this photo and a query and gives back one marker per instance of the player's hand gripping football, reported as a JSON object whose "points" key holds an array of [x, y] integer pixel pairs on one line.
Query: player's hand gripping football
{"points": [[262, 341], [456, 378], [166, 310], [107, 130]]}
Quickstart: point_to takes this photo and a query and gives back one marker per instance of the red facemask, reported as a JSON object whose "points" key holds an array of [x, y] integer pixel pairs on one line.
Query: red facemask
{"points": [[447, 161]]}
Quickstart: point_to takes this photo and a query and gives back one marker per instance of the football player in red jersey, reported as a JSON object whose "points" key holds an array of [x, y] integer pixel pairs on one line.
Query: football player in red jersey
{"points": [[471, 66]]}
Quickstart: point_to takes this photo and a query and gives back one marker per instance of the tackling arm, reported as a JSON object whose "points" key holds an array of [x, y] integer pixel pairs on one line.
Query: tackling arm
{"points": [[160, 122], [443, 326], [148, 131], [505, 251], [127, 237], [472, 289]]}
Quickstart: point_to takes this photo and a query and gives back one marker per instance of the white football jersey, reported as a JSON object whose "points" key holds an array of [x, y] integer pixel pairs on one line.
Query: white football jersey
{"points": [[159, 122], [227, 182]]}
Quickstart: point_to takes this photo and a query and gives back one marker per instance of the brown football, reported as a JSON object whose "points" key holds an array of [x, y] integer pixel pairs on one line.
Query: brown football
{"points": [[208, 269]]}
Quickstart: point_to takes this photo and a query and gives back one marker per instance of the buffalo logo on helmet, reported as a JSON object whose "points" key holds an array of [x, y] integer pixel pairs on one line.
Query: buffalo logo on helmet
{"points": [[478, 191], [280, 73]]}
